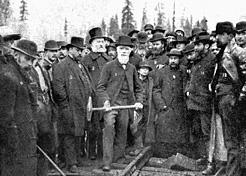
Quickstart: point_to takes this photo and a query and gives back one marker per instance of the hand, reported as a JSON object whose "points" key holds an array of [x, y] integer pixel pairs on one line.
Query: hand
{"points": [[106, 105], [138, 105]]}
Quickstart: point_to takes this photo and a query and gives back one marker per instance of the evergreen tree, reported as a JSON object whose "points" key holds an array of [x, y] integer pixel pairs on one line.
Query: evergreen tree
{"points": [[65, 28], [160, 14], [5, 12], [187, 27], [103, 26], [23, 10], [113, 29], [204, 24], [128, 22], [144, 18], [197, 24], [169, 28]]}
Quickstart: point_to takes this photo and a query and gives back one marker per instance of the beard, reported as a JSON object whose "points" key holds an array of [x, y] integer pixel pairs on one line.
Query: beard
{"points": [[220, 44], [98, 49], [123, 59], [173, 65], [156, 51]]}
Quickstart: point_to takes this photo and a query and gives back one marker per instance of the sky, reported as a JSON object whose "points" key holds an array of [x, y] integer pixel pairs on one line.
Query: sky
{"points": [[48, 16]]}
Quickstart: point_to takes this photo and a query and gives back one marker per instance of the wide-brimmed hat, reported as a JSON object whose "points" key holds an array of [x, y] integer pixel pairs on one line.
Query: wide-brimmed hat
{"points": [[142, 37], [157, 37], [175, 52], [51, 45], [11, 37], [27, 47], [109, 39], [181, 39], [96, 33], [131, 33], [226, 27], [148, 27], [77, 42], [241, 26], [124, 41], [61, 44], [189, 48], [158, 29], [145, 64], [203, 37]]}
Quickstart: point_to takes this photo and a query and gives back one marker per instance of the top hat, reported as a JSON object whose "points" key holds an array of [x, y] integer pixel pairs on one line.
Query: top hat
{"points": [[241, 26], [175, 52], [181, 39], [131, 33], [148, 27], [51, 45], [11, 37], [226, 27], [26, 47], [61, 44], [95, 33], [124, 41], [189, 48], [158, 29], [142, 37], [145, 64], [156, 37], [203, 37], [77, 42]]}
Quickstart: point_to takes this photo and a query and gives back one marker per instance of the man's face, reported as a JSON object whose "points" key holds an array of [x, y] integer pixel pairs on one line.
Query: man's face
{"points": [[173, 61], [241, 38], [85, 52], [62, 53], [191, 56], [180, 46], [199, 48], [149, 33], [75, 52], [112, 52], [170, 39], [51, 55], [144, 71], [222, 39], [98, 45], [23, 60], [214, 49], [142, 48], [123, 53], [157, 47], [180, 33]]}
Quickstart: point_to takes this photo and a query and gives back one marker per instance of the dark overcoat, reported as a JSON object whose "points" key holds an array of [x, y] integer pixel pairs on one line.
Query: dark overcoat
{"points": [[197, 90], [72, 88], [17, 122], [171, 125]]}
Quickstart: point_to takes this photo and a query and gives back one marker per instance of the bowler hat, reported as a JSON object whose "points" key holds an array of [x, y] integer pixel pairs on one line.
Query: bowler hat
{"points": [[189, 48], [111, 45], [95, 33], [145, 64], [203, 37], [142, 37], [51, 45], [181, 39], [124, 41], [11, 37], [171, 34], [148, 27], [77, 42], [158, 29], [131, 33], [175, 52], [26, 47], [226, 27], [241, 26], [157, 37], [195, 31], [109, 39], [61, 44]]}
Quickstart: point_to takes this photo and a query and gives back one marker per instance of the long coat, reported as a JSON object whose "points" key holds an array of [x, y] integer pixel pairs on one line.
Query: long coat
{"points": [[17, 122], [72, 88], [169, 91], [197, 90]]}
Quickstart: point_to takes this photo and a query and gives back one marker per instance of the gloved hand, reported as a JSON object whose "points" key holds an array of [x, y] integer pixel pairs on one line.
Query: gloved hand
{"points": [[138, 105]]}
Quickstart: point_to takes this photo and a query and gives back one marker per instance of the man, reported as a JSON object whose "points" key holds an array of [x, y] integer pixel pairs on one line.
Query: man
{"points": [[170, 38], [72, 88], [171, 126], [118, 85], [199, 98], [62, 51], [180, 32], [159, 29], [157, 58], [142, 47], [94, 63], [111, 51], [18, 113], [148, 28], [180, 42], [228, 87], [11, 40]]}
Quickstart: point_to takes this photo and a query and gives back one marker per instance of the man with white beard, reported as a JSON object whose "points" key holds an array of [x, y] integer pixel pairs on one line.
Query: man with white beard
{"points": [[118, 85]]}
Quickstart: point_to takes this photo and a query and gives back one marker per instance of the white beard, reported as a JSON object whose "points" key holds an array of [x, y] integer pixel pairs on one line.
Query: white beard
{"points": [[123, 60], [98, 50]]}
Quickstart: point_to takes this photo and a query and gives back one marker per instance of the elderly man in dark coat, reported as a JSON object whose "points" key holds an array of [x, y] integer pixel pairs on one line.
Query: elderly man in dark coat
{"points": [[18, 109], [95, 61], [168, 96], [199, 97], [118, 85], [72, 88]]}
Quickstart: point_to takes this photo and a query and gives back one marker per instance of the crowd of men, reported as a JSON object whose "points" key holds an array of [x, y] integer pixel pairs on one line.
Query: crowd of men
{"points": [[178, 85]]}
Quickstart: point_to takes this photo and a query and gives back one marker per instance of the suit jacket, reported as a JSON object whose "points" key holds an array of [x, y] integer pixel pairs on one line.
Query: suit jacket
{"points": [[72, 88], [111, 80]]}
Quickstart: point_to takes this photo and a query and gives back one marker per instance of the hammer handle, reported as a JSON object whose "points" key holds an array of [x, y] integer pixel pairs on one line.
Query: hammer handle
{"points": [[115, 108]]}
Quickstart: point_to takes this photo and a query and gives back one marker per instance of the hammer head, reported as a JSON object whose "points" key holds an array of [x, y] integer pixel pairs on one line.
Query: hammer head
{"points": [[89, 109]]}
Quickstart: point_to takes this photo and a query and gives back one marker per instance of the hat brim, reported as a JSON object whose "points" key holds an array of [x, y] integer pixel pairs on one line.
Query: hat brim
{"points": [[11, 37], [158, 30], [23, 52], [52, 49], [124, 44], [72, 45], [206, 41], [97, 37], [240, 30], [171, 54], [145, 66], [189, 51]]}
